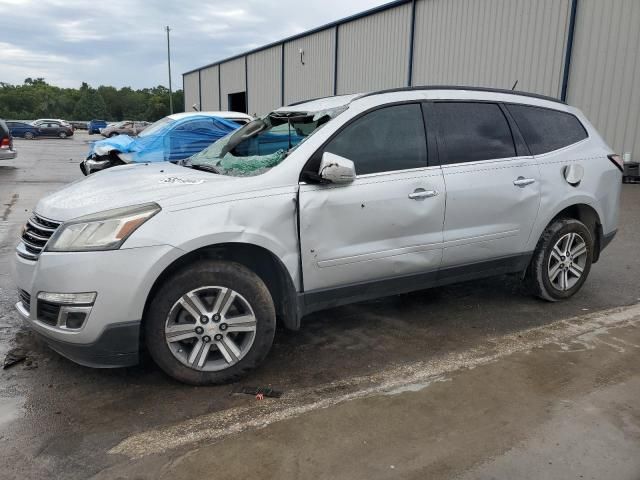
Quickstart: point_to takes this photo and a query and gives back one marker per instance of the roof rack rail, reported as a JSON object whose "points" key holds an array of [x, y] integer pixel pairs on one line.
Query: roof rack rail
{"points": [[461, 87]]}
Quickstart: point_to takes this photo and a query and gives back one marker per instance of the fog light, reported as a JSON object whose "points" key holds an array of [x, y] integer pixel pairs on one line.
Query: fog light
{"points": [[68, 298], [75, 320]]}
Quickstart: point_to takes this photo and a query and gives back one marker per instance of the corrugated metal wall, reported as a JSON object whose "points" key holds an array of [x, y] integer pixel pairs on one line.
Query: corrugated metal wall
{"points": [[604, 79], [465, 42], [315, 78], [373, 52], [191, 90], [232, 79], [264, 74], [209, 89], [491, 43]]}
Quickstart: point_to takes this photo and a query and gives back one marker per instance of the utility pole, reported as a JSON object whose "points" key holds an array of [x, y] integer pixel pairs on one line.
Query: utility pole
{"points": [[169, 64]]}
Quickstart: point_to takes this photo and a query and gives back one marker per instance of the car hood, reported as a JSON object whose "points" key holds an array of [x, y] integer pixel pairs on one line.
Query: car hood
{"points": [[130, 185]]}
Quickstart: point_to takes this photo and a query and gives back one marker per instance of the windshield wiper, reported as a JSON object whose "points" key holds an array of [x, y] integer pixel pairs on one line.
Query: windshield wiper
{"points": [[204, 168]]}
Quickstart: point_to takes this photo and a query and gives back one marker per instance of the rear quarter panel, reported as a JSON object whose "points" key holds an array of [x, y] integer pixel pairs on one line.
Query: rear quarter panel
{"points": [[600, 187]]}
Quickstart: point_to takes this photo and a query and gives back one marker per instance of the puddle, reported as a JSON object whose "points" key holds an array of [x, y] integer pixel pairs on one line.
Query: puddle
{"points": [[10, 409]]}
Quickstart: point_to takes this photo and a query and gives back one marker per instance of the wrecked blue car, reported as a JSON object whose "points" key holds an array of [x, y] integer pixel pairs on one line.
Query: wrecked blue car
{"points": [[170, 139]]}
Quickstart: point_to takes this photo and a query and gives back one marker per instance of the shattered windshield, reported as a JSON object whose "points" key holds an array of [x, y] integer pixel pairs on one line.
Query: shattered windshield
{"points": [[261, 144]]}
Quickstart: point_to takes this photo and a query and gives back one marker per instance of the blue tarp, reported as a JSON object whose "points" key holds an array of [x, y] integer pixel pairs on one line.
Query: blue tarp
{"points": [[167, 139]]}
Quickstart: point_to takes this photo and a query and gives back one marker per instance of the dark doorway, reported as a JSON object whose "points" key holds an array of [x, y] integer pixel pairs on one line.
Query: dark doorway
{"points": [[238, 102]]}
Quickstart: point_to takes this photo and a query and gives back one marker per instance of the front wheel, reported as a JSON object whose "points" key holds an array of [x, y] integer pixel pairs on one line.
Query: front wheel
{"points": [[561, 261], [62, 135], [210, 323]]}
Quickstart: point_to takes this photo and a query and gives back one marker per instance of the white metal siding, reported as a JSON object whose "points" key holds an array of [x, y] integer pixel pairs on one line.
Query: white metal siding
{"points": [[264, 73], [209, 88], [315, 78], [232, 79], [604, 78], [191, 91], [373, 52], [491, 43]]}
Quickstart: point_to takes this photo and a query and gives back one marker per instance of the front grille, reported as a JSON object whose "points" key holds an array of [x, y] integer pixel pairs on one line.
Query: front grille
{"points": [[25, 298], [48, 312], [35, 235]]}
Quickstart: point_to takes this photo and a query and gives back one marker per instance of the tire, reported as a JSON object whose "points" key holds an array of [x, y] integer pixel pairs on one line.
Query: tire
{"points": [[543, 278], [246, 320], [62, 135], [29, 136]]}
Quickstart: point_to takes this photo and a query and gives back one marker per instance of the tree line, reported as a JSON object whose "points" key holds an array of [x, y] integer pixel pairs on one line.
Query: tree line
{"points": [[35, 98]]}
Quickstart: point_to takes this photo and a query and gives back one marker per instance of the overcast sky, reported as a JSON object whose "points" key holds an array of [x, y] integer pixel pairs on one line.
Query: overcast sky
{"points": [[122, 42]]}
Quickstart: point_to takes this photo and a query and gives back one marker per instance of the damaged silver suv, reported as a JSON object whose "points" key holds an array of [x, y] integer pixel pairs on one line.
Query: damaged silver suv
{"points": [[315, 205]]}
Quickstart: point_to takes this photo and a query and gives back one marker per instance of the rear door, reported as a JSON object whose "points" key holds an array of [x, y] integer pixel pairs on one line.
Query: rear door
{"points": [[48, 129], [387, 223], [493, 187]]}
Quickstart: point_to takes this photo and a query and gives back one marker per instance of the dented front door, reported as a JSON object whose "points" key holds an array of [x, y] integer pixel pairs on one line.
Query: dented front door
{"points": [[381, 226]]}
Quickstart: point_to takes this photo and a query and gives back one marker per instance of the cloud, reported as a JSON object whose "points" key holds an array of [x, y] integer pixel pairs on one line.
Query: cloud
{"points": [[123, 42]]}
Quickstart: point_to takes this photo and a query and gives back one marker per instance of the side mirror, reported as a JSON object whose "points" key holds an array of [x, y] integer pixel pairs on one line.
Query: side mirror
{"points": [[336, 169]]}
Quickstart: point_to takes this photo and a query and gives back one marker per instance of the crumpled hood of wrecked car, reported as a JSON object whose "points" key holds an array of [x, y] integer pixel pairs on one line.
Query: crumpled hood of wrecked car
{"points": [[133, 185]]}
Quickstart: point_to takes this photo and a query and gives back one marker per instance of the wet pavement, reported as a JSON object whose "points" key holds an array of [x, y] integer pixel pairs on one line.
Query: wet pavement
{"points": [[529, 383]]}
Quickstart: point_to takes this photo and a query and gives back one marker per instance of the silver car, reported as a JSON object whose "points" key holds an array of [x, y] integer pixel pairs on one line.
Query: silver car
{"points": [[315, 205]]}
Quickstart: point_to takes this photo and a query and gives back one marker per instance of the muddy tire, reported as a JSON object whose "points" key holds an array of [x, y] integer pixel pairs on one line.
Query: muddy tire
{"points": [[210, 323], [562, 260]]}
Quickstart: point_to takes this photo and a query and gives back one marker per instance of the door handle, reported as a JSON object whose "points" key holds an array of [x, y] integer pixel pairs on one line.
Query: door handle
{"points": [[421, 194], [523, 182]]}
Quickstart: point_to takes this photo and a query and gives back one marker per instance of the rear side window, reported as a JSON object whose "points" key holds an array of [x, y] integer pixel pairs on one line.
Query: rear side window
{"points": [[386, 139], [472, 132], [546, 130]]}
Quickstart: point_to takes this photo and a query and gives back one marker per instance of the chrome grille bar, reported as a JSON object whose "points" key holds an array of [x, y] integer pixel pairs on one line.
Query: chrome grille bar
{"points": [[35, 235]]}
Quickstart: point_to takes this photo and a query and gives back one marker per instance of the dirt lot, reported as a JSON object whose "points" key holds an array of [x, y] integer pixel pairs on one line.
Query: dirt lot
{"points": [[470, 381]]}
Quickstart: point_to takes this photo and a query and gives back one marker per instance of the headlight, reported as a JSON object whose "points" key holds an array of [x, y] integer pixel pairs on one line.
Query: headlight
{"points": [[101, 231]]}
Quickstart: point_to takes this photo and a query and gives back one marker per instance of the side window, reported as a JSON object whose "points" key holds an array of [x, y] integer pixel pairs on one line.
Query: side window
{"points": [[196, 126], [472, 132], [546, 130], [387, 139]]}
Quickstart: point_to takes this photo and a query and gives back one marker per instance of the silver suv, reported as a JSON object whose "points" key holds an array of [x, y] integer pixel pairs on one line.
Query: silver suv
{"points": [[315, 205]]}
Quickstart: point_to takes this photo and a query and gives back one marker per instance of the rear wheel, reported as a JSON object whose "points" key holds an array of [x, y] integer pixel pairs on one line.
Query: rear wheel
{"points": [[210, 323], [562, 260]]}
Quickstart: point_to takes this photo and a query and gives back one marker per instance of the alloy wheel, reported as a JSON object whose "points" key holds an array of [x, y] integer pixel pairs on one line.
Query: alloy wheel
{"points": [[210, 328], [567, 261]]}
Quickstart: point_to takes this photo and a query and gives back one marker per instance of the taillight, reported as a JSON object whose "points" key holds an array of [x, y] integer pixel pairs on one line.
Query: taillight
{"points": [[4, 143], [617, 161]]}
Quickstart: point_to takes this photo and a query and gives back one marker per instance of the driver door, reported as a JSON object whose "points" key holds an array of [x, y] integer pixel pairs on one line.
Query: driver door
{"points": [[388, 222]]}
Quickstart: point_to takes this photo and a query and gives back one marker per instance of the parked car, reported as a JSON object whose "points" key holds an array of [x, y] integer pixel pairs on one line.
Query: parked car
{"points": [[41, 121], [171, 138], [78, 125], [23, 130], [372, 195], [7, 152], [95, 126], [54, 128], [126, 127]]}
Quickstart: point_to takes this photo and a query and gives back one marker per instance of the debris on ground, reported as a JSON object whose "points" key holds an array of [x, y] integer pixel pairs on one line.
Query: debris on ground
{"points": [[261, 392], [14, 356]]}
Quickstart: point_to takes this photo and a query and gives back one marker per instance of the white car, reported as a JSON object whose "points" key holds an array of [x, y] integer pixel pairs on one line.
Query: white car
{"points": [[315, 205]]}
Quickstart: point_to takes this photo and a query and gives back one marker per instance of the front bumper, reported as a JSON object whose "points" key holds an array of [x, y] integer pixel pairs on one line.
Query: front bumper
{"points": [[122, 279], [117, 346]]}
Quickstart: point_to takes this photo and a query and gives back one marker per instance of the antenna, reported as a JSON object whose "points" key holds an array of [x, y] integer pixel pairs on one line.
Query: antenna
{"points": [[514, 85]]}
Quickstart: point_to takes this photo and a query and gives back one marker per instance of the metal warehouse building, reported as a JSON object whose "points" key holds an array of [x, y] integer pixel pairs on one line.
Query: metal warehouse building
{"points": [[586, 52]]}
